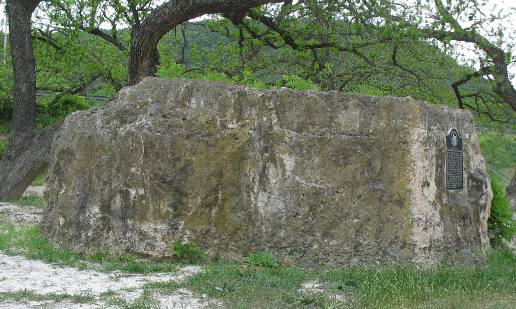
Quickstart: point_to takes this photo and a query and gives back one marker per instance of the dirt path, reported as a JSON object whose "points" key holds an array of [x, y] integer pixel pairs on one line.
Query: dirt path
{"points": [[21, 214], [21, 275], [34, 191], [26, 283]]}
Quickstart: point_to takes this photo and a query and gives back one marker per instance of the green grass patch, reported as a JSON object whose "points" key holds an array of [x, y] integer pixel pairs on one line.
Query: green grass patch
{"points": [[26, 240], [500, 224], [244, 286], [188, 252], [247, 286], [4, 136], [3, 147], [5, 127], [499, 150], [409, 287], [260, 281], [30, 201], [40, 180], [263, 259], [26, 296]]}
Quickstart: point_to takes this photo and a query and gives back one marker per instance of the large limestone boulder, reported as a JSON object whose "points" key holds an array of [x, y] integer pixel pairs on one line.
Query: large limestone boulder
{"points": [[314, 177]]}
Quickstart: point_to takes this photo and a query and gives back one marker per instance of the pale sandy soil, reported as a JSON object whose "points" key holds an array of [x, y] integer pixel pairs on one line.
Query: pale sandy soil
{"points": [[34, 191], [317, 287], [21, 214], [19, 274]]}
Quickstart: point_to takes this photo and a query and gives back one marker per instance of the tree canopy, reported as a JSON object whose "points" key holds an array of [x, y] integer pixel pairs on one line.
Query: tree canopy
{"points": [[85, 51]]}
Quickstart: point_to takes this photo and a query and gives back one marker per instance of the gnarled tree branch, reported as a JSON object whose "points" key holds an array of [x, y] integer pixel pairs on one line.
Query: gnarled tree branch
{"points": [[144, 58]]}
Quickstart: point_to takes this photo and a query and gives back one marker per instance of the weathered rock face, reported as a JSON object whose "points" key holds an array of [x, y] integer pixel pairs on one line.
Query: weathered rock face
{"points": [[310, 176]]}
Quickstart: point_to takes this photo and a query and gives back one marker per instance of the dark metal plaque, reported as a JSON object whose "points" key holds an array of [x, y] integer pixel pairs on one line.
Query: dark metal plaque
{"points": [[454, 161]]}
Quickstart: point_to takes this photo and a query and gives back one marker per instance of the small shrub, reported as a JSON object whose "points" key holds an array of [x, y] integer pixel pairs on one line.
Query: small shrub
{"points": [[214, 76], [68, 104], [263, 259], [251, 80], [30, 201], [498, 149], [171, 70], [6, 108], [188, 252], [500, 222], [48, 114], [297, 83], [40, 180], [5, 125], [3, 148]]}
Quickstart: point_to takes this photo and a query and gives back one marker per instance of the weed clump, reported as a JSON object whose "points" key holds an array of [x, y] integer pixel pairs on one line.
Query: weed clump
{"points": [[263, 259], [188, 252], [500, 224]]}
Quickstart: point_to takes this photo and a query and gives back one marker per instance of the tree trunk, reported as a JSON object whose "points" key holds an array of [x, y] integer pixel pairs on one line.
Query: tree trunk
{"points": [[503, 86], [23, 123], [17, 173], [144, 57], [25, 156]]}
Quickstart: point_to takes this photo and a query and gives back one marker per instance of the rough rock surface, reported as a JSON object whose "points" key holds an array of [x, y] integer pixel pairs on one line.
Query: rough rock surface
{"points": [[309, 176]]}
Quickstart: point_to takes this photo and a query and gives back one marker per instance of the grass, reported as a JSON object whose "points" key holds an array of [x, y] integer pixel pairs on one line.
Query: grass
{"points": [[246, 286], [4, 126], [26, 239], [407, 286], [30, 201], [499, 150], [3, 146], [146, 300], [4, 136], [500, 224], [26, 296], [40, 180], [260, 281], [262, 259], [188, 252]]}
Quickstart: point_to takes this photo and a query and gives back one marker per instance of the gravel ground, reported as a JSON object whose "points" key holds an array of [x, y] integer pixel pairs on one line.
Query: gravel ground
{"points": [[34, 191], [21, 214], [19, 274]]}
